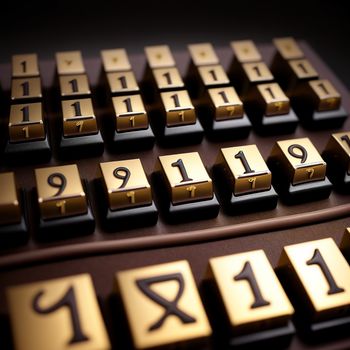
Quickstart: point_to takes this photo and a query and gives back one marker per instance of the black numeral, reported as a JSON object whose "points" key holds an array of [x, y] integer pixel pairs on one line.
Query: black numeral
{"points": [[77, 109], [25, 87], [302, 156], [317, 259], [59, 181], [175, 97], [74, 85], [269, 90], [123, 83], [127, 102], [213, 74], [25, 111], [24, 66], [67, 301], [125, 177], [247, 274], [240, 155], [346, 139], [224, 97], [168, 78], [179, 163]]}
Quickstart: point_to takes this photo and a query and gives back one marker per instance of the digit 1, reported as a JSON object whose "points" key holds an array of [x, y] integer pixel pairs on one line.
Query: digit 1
{"points": [[213, 74], [168, 78], [247, 274], [346, 138], [132, 121], [322, 87], [25, 111], [257, 70], [131, 196], [301, 66], [224, 97], [123, 83], [26, 131], [269, 90], [175, 97], [24, 66], [74, 85], [127, 102], [240, 155], [77, 109], [25, 87], [317, 259], [179, 163], [67, 301]]}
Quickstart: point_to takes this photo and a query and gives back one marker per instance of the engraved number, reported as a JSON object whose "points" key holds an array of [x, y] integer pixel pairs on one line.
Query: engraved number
{"points": [[224, 97], [132, 121], [182, 116], [77, 109], [131, 196], [175, 97], [123, 83], [125, 177], [127, 102], [240, 155], [25, 111], [74, 85], [59, 181], [68, 301], [213, 74], [79, 124], [61, 205], [168, 78], [269, 90], [170, 306], [302, 156], [302, 67], [252, 182], [317, 259], [24, 66], [26, 131], [25, 87], [179, 163], [247, 274], [257, 70], [310, 172], [323, 88]]}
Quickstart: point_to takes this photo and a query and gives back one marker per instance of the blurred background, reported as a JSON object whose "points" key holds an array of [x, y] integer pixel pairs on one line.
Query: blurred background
{"points": [[34, 26]]}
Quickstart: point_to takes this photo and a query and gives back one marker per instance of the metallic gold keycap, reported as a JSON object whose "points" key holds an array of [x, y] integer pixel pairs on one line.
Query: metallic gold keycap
{"points": [[226, 103], [186, 177], [203, 54], [300, 159], [250, 290], [26, 89], [69, 62], [288, 48], [168, 78], [130, 113], [26, 123], [245, 51], [213, 75], [339, 146], [321, 274], [74, 85], [246, 168], [78, 118], [126, 184], [324, 95], [60, 192], [25, 65], [178, 108], [159, 56], [115, 60], [272, 99], [302, 69], [10, 211], [163, 306], [257, 72], [57, 314], [122, 83]]}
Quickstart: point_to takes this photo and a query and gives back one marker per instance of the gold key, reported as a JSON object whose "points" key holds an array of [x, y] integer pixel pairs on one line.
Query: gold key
{"points": [[203, 54], [74, 85], [168, 78], [25, 65], [159, 56], [130, 113], [78, 118], [10, 211], [57, 314], [213, 75], [186, 178], [115, 60], [324, 95], [322, 276], [245, 51], [69, 62], [60, 192], [300, 159], [252, 295], [26, 123], [246, 169], [125, 184], [163, 306], [123, 82], [26, 89], [288, 48]]}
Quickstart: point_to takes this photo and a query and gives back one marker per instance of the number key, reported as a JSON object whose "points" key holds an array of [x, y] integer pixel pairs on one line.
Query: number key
{"points": [[74, 85], [25, 65], [26, 89]]}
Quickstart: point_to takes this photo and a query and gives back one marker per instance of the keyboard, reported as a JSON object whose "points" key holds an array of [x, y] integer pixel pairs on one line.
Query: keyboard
{"points": [[194, 199]]}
